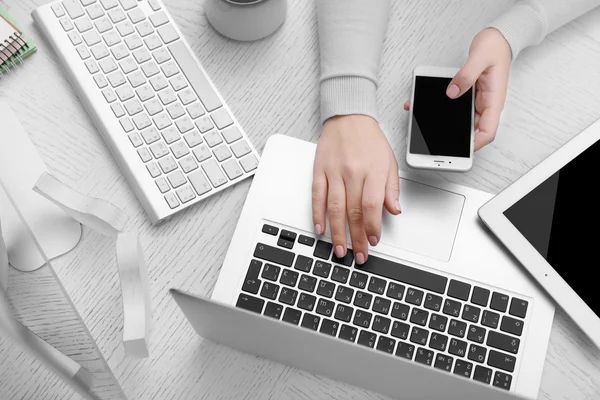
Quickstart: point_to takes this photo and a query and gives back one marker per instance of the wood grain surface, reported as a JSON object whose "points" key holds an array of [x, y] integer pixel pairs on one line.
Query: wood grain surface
{"points": [[272, 87]]}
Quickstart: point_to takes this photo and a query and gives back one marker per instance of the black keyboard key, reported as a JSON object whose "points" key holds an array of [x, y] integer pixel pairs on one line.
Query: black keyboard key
{"points": [[285, 243], [346, 260], [400, 330], [502, 380], [377, 285], [503, 342], [471, 313], [273, 254], [271, 272], [459, 290], [340, 274], [363, 300], [292, 316], [323, 250], [438, 322], [358, 280], [386, 345], [273, 310], [457, 347], [270, 230], [348, 333], [343, 313], [490, 319], [443, 362], [329, 327], [381, 305], [477, 353], [433, 302], [250, 303], [325, 289], [419, 335], [322, 269], [303, 263], [438, 341], [381, 324], [405, 350], [325, 307], [288, 296], [251, 282], [414, 296], [344, 294], [452, 307], [476, 334], [287, 235], [418, 316], [367, 339], [518, 307], [463, 368], [482, 374], [395, 291], [512, 325], [306, 301], [405, 274], [424, 356], [499, 302], [362, 318], [457, 328], [480, 296], [501, 361], [289, 277], [400, 311], [269, 290], [307, 241], [310, 321], [307, 283]]}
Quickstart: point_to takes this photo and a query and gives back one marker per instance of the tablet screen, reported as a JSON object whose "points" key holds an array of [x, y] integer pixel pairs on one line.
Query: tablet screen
{"points": [[561, 219]]}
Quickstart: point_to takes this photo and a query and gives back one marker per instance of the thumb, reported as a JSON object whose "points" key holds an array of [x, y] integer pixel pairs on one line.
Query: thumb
{"points": [[466, 77]]}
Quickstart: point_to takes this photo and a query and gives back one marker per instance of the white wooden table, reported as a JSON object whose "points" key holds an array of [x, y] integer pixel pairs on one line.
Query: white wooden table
{"points": [[272, 87]]}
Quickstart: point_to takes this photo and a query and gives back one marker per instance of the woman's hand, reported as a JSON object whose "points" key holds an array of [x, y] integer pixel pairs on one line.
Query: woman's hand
{"points": [[488, 68], [355, 175]]}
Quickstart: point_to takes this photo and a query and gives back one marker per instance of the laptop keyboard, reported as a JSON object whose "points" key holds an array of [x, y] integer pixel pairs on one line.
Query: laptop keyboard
{"points": [[445, 322]]}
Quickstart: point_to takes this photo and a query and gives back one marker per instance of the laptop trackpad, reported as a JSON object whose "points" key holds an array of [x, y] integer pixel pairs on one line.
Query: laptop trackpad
{"points": [[428, 223]]}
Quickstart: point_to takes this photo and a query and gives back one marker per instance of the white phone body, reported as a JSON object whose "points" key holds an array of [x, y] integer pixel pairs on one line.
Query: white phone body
{"points": [[443, 162]]}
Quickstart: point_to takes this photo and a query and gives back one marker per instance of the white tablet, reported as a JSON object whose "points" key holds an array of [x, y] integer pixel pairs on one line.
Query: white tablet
{"points": [[550, 220]]}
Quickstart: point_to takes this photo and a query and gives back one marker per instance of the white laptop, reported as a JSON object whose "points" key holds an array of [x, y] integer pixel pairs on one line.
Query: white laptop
{"points": [[439, 311]]}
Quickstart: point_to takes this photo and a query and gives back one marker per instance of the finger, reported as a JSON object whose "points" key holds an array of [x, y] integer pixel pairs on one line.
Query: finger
{"points": [[319, 200], [360, 245], [467, 76], [392, 190], [336, 209], [407, 105], [488, 125], [372, 205]]}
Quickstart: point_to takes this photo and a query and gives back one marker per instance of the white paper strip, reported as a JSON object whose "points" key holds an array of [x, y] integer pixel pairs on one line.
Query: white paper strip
{"points": [[3, 261], [97, 214], [137, 314]]}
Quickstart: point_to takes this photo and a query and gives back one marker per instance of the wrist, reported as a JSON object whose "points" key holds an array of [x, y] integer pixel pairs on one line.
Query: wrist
{"points": [[348, 95]]}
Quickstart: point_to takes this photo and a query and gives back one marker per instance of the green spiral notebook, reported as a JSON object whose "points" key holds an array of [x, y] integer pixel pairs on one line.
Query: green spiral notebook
{"points": [[14, 45]]}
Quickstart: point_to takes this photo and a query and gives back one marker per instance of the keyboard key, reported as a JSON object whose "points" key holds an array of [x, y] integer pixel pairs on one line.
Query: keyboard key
{"points": [[128, 4], [400, 311], [136, 15], [124, 93], [176, 179], [95, 11], [303, 263], [477, 353], [459, 290], [151, 135], [310, 321], [199, 183], [503, 342], [126, 124], [271, 272], [186, 194], [162, 56], [202, 153], [346, 260], [144, 154], [116, 79], [386, 345], [325, 307], [100, 52], [204, 124], [480, 296], [240, 148], [344, 294], [395, 291], [322, 269], [135, 139], [214, 173], [414, 296], [232, 169], [362, 318], [367, 339], [405, 274], [307, 283], [289, 277], [329, 327], [457, 347], [501, 361], [482, 374], [221, 118], [133, 107], [175, 110], [273, 254], [269, 290], [167, 164], [179, 150], [154, 4], [91, 38], [463, 368], [116, 15], [160, 150], [306, 301], [273, 310], [443, 362], [323, 250], [476, 334], [111, 38], [58, 10], [168, 34], [405, 350], [103, 25], [222, 153], [153, 107], [376, 285], [195, 110], [170, 69], [74, 38], [144, 28], [150, 69], [363, 300], [133, 42], [452, 307], [109, 95], [73, 8], [163, 186], [66, 24], [499, 302], [400, 330], [83, 25], [325, 289], [424, 356], [136, 79], [213, 138], [471, 313], [512, 325], [250, 303], [340, 274], [348, 333], [381, 324], [83, 52], [158, 19], [418, 316], [438, 322], [187, 96], [305, 240], [292, 316], [358, 280], [490, 319], [251, 281], [419, 335], [288, 296], [381, 305], [502, 380], [518, 307]]}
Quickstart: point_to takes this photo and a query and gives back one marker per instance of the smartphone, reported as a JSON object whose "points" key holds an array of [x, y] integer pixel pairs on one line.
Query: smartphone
{"points": [[441, 130]]}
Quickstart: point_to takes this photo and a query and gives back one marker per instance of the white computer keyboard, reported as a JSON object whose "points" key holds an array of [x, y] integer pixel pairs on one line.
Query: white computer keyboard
{"points": [[166, 124]]}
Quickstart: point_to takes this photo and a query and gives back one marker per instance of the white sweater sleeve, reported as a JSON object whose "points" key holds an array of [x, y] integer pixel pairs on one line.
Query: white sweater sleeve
{"points": [[351, 34], [529, 21]]}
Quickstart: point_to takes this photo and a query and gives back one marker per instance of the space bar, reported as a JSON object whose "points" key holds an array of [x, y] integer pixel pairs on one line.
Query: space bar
{"points": [[403, 273], [194, 74]]}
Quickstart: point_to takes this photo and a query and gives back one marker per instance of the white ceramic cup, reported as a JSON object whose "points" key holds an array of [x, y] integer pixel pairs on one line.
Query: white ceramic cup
{"points": [[245, 20]]}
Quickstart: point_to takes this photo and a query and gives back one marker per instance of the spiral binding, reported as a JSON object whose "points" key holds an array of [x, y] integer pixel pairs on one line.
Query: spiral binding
{"points": [[10, 52]]}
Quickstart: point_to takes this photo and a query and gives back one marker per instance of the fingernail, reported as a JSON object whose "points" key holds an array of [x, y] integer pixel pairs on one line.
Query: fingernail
{"points": [[318, 229], [339, 251], [373, 240], [453, 91], [398, 206], [360, 258]]}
